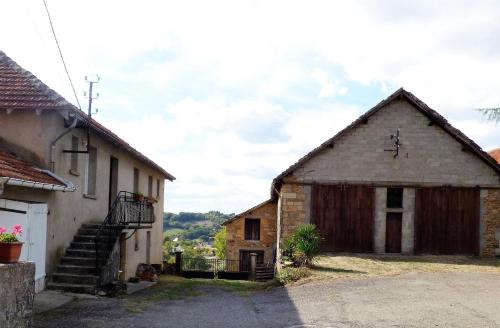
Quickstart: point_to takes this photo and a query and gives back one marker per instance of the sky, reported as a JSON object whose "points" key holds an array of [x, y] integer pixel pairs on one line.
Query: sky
{"points": [[225, 95]]}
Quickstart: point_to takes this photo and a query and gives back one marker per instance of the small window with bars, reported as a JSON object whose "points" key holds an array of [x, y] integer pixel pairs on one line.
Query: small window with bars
{"points": [[252, 229]]}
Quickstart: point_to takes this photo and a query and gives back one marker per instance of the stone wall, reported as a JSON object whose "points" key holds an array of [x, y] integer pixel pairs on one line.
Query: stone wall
{"points": [[236, 232], [490, 222], [428, 155], [295, 207], [17, 291], [408, 223]]}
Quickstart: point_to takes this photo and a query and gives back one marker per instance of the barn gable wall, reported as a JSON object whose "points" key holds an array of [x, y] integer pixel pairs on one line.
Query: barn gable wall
{"points": [[428, 154]]}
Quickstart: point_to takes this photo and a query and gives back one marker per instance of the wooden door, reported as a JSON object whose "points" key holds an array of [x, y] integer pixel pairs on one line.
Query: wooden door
{"points": [[343, 215], [447, 220], [393, 226]]}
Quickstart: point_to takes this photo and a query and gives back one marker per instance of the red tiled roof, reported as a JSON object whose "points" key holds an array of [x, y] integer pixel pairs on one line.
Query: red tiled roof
{"points": [[495, 153], [12, 167], [20, 89]]}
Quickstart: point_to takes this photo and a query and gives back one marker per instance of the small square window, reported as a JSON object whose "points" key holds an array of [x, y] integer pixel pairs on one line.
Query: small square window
{"points": [[252, 229], [394, 197]]}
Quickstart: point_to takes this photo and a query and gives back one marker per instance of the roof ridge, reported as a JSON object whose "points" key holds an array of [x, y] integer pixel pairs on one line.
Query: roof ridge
{"points": [[422, 107], [59, 102]]}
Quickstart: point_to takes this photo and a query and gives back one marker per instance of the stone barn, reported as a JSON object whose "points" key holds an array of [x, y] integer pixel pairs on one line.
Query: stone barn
{"points": [[399, 179]]}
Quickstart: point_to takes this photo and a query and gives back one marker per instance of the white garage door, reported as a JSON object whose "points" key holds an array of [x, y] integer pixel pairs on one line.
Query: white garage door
{"points": [[33, 218]]}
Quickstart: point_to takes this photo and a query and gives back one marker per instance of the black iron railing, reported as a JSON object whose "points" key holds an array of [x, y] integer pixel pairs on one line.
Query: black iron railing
{"points": [[128, 211], [212, 265]]}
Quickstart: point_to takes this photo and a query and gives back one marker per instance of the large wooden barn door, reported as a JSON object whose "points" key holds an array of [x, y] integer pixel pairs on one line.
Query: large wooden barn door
{"points": [[447, 220], [344, 217]]}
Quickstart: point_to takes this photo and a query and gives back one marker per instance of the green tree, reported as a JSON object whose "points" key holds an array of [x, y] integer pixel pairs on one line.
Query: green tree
{"points": [[220, 242], [493, 114]]}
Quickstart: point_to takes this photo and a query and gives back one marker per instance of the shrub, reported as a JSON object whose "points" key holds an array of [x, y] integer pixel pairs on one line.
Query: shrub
{"points": [[303, 245], [290, 274], [220, 243]]}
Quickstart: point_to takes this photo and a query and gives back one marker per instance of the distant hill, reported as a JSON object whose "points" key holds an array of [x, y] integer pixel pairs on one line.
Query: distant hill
{"points": [[193, 226]]}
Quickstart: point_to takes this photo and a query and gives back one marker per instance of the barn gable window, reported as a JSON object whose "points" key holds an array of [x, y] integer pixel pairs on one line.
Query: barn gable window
{"points": [[252, 229], [394, 197]]}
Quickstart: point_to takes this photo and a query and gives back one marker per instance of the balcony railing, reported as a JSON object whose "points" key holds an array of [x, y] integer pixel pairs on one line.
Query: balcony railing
{"points": [[128, 211]]}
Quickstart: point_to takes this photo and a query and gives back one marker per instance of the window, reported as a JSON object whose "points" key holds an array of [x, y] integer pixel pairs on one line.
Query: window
{"points": [[91, 170], [252, 229], [74, 156], [394, 197], [150, 186], [136, 180], [158, 188]]}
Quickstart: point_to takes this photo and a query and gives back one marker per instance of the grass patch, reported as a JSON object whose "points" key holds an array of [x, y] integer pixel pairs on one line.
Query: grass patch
{"points": [[363, 266], [175, 288]]}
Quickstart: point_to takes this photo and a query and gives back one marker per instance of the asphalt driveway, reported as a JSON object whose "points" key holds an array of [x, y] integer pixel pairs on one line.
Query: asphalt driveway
{"points": [[462, 299]]}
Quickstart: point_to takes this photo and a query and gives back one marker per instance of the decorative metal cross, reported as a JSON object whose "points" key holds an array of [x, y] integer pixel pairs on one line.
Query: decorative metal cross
{"points": [[396, 143]]}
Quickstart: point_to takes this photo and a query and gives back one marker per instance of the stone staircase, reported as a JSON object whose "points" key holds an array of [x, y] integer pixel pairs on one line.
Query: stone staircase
{"points": [[77, 273], [264, 272]]}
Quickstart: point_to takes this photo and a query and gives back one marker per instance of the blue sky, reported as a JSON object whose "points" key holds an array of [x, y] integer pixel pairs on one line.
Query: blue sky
{"points": [[225, 95]]}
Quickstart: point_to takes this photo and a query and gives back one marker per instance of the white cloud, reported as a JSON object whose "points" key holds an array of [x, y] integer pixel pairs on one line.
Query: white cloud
{"points": [[225, 94]]}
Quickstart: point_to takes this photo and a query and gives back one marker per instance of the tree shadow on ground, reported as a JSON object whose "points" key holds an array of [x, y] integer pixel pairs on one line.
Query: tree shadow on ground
{"points": [[335, 270]]}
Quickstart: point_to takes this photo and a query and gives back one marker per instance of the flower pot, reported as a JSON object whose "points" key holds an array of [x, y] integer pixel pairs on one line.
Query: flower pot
{"points": [[10, 252]]}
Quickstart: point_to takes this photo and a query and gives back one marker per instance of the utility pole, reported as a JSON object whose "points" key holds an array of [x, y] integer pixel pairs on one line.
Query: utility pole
{"points": [[91, 97]]}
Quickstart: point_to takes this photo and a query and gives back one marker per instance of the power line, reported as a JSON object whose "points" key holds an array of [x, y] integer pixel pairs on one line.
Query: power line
{"points": [[60, 54]]}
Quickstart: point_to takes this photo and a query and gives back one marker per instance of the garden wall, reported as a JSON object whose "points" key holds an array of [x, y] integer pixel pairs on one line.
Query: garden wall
{"points": [[17, 292]]}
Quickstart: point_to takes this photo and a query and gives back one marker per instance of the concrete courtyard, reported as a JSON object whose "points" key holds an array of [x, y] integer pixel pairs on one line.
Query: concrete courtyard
{"points": [[416, 299]]}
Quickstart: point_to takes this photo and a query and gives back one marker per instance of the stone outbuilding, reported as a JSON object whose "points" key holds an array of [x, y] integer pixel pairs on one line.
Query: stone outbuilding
{"points": [[253, 231]]}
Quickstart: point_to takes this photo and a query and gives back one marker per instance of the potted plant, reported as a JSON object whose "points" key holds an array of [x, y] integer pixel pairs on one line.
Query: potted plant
{"points": [[10, 246], [139, 197]]}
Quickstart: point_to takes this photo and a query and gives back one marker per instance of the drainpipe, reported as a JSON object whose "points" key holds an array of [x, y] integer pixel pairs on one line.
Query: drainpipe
{"points": [[278, 228], [53, 143], [2, 184]]}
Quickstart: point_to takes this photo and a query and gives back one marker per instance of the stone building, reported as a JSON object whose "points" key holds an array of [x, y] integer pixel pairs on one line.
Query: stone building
{"points": [[399, 179], [253, 231], [55, 156]]}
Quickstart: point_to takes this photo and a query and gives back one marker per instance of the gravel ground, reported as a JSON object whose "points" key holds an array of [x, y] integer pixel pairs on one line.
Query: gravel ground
{"points": [[464, 299]]}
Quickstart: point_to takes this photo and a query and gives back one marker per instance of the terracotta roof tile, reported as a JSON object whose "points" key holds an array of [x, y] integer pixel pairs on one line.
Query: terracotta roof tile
{"points": [[495, 153], [12, 167], [20, 89]]}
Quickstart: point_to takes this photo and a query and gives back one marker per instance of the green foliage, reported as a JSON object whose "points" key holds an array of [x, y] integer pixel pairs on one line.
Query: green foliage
{"points": [[194, 226], [221, 243], [303, 245], [493, 114], [290, 274], [8, 238], [195, 258]]}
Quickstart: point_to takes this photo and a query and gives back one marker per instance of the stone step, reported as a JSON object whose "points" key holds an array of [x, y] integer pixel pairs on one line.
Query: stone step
{"points": [[91, 225], [93, 232], [88, 245], [71, 252], [80, 261], [87, 238], [79, 279], [72, 288], [76, 269]]}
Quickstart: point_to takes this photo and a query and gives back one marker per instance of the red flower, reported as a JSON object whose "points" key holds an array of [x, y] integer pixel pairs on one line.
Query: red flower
{"points": [[17, 230]]}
